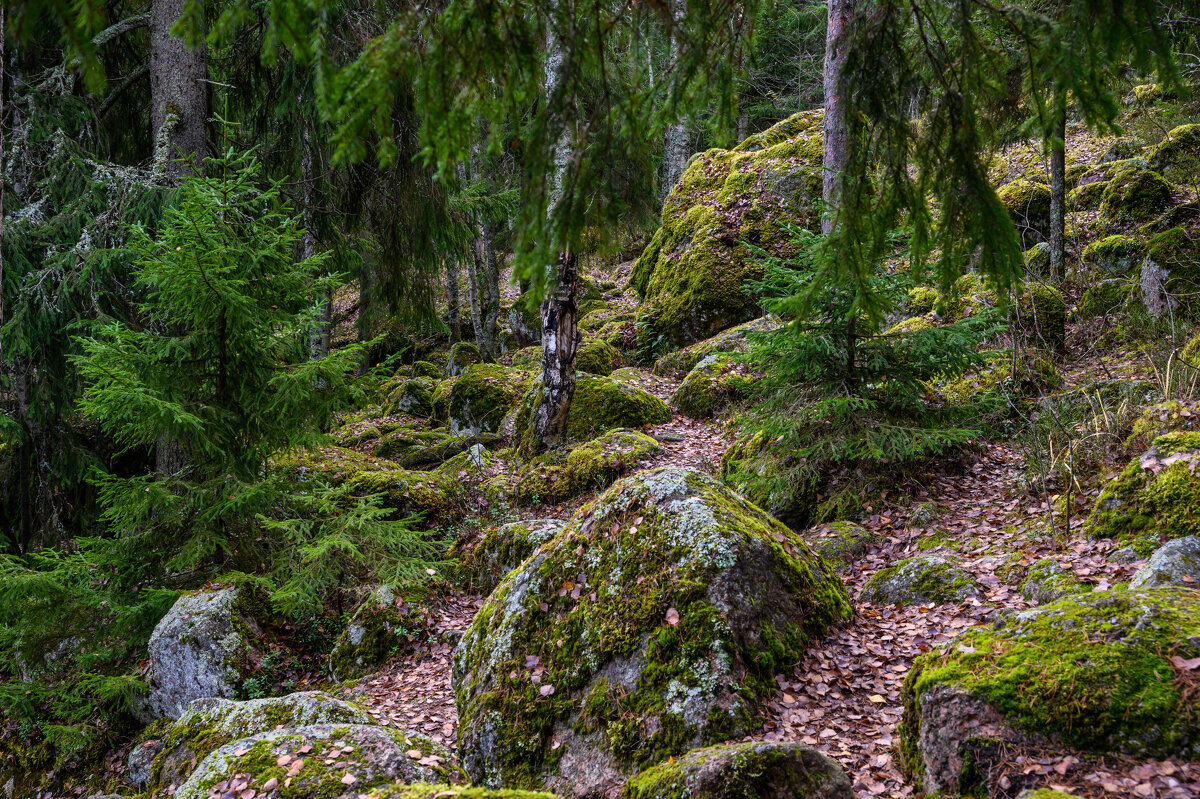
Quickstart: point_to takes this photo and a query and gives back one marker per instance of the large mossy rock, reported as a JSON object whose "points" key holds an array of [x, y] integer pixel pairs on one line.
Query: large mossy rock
{"points": [[380, 628], [1092, 673], [600, 404], [1170, 276], [692, 274], [463, 355], [735, 339], [1155, 497], [167, 755], [757, 770], [504, 548], [1028, 203], [926, 579], [406, 492], [761, 473], [1047, 581], [483, 395], [424, 449], [1177, 157], [200, 649], [591, 465], [597, 357], [413, 397], [450, 792], [716, 382], [1135, 195], [652, 624], [1114, 255], [336, 761], [1175, 563]]}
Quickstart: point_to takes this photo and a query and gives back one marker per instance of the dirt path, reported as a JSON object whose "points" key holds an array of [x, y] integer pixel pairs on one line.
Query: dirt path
{"points": [[844, 697]]}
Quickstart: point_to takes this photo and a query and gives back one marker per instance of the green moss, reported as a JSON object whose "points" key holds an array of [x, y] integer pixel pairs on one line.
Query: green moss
{"points": [[921, 300], [378, 631], [917, 581], [594, 604], [762, 475], [483, 396], [600, 404], [1094, 672], [712, 385], [1041, 313], [1104, 298], [840, 544], [1159, 420], [914, 325], [1135, 195], [1088, 196], [1046, 581], [752, 770], [426, 369], [1032, 377], [529, 358], [1155, 496], [413, 397], [594, 464], [1117, 255], [462, 355], [451, 792], [684, 360], [692, 274], [597, 357], [1176, 251], [502, 549], [1178, 155], [1028, 204]]}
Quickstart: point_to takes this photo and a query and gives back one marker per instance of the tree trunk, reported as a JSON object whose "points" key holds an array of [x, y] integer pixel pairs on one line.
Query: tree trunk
{"points": [[178, 92], [321, 334], [560, 328], [837, 141], [679, 139], [1058, 196], [2, 14], [455, 308]]}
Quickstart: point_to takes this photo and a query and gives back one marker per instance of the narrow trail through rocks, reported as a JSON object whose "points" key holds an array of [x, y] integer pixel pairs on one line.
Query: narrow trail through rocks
{"points": [[844, 696]]}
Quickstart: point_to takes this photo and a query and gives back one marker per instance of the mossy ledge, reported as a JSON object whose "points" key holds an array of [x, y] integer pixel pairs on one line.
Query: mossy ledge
{"points": [[652, 624], [1093, 673]]}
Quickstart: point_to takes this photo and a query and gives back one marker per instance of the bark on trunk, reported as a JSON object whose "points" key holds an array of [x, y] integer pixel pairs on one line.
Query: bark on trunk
{"points": [[560, 343], [679, 139], [1058, 197], [179, 94], [320, 336], [837, 141], [560, 329], [485, 288], [2, 109]]}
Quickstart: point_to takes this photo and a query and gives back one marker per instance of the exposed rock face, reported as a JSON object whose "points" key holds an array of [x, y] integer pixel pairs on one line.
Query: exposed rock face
{"points": [[1047, 582], [1175, 563], [1095, 673], [652, 623], [363, 756], [919, 580], [194, 651], [692, 274], [379, 629], [740, 771], [168, 755]]}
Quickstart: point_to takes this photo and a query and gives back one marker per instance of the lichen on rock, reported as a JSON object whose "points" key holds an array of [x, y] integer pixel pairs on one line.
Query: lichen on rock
{"points": [[1153, 497], [504, 548], [1047, 582], [652, 624], [927, 579], [381, 627], [1175, 563], [716, 381]]}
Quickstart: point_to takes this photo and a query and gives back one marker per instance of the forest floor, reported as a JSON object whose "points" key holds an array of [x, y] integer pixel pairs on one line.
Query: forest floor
{"points": [[844, 697]]}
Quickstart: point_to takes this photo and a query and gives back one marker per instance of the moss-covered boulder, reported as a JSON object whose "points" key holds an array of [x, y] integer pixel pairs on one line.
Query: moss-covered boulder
{"points": [[1177, 157], [595, 464], [1047, 582], [331, 761], [600, 404], [1088, 195], [760, 473], [426, 369], [1175, 563], [451, 792], [692, 274], [528, 359], [1093, 673], [406, 492], [653, 623], [424, 449], [483, 395], [1170, 276], [380, 628], [736, 339], [200, 649], [927, 579], [504, 548], [756, 770], [597, 357], [166, 755], [840, 544], [716, 382], [921, 300], [1114, 255], [1160, 419], [462, 355], [525, 322], [1104, 298], [1155, 497], [1040, 313], [413, 397], [1135, 195], [1028, 203]]}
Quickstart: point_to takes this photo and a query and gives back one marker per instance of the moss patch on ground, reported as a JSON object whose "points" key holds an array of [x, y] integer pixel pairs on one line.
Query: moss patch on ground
{"points": [[591, 465]]}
